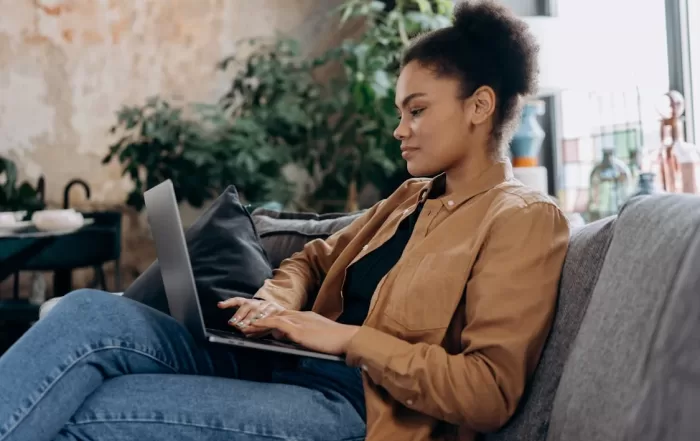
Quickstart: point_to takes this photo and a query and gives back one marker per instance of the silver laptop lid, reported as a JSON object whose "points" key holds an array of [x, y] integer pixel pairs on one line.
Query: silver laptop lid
{"points": [[173, 257]]}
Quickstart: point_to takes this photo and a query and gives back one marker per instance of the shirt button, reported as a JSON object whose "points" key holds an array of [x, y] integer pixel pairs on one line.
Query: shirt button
{"points": [[450, 203], [409, 402]]}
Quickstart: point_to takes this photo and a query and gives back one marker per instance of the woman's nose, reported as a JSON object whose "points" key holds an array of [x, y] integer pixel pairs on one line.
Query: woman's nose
{"points": [[402, 131]]}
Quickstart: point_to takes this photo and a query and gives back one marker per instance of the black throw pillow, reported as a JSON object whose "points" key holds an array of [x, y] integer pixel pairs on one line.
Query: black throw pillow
{"points": [[227, 260]]}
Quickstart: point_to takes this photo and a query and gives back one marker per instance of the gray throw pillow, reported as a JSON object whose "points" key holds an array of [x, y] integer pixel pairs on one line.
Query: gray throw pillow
{"points": [[283, 233]]}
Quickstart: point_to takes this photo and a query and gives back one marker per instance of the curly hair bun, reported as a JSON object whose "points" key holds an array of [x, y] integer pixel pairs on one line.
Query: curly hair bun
{"points": [[506, 37], [487, 45]]}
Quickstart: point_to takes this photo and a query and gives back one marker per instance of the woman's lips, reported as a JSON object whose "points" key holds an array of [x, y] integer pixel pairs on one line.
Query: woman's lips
{"points": [[407, 151]]}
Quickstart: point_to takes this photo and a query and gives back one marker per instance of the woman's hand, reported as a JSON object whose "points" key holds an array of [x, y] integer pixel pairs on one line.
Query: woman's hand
{"points": [[250, 310], [311, 330]]}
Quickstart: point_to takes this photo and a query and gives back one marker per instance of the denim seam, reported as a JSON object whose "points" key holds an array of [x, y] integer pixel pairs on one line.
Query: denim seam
{"points": [[204, 426], [176, 423], [69, 367]]}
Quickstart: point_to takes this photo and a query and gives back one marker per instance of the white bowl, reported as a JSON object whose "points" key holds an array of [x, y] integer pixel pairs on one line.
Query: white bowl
{"points": [[7, 218], [57, 220]]}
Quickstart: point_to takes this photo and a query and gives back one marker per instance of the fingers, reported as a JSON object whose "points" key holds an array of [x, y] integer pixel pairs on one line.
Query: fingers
{"points": [[241, 317], [280, 324], [234, 302], [246, 324], [249, 311]]}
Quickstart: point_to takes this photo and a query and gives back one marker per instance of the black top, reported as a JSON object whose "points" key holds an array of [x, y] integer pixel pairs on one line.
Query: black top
{"points": [[361, 281], [363, 276]]}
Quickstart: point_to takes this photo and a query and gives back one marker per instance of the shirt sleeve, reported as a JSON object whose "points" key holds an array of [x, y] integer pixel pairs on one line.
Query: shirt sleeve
{"points": [[511, 298], [304, 271]]}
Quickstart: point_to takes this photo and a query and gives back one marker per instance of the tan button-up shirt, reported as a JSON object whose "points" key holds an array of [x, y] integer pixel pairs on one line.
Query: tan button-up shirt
{"points": [[456, 328]]}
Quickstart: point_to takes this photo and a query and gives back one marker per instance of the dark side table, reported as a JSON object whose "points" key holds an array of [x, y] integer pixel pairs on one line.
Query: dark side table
{"points": [[93, 245]]}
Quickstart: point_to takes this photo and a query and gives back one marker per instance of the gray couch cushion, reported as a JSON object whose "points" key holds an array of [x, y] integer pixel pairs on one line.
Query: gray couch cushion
{"points": [[601, 379], [283, 233], [583, 262], [670, 398]]}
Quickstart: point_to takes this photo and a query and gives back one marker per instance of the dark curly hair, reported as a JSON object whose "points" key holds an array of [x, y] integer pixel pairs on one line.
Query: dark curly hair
{"points": [[487, 45]]}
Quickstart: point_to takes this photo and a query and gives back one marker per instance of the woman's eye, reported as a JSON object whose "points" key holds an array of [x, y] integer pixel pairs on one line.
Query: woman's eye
{"points": [[416, 112]]}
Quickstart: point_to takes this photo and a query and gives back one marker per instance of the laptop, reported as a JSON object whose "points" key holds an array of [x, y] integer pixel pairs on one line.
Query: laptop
{"points": [[178, 279]]}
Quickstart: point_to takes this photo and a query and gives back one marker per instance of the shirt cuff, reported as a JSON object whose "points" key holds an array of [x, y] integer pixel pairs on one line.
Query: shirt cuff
{"points": [[372, 350]]}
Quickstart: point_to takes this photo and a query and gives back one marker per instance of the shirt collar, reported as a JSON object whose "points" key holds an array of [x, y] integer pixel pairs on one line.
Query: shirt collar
{"points": [[486, 180]]}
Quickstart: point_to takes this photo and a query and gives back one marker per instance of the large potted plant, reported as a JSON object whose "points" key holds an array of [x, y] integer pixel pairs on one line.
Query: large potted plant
{"points": [[337, 130], [200, 148]]}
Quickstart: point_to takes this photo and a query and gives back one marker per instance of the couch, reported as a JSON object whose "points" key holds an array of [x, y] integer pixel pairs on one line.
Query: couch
{"points": [[622, 361]]}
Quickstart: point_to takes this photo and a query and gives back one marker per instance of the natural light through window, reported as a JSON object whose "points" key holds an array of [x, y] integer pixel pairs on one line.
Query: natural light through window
{"points": [[620, 48], [694, 31]]}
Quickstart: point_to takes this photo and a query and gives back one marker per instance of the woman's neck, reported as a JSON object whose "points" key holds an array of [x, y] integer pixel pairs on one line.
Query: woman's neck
{"points": [[460, 175]]}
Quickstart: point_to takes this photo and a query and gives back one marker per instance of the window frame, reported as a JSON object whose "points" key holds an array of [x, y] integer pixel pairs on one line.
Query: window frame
{"points": [[679, 63]]}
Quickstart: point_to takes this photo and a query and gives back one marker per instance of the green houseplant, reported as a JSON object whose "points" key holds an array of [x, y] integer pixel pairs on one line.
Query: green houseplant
{"points": [[371, 67], [200, 148], [337, 130], [15, 196], [282, 109]]}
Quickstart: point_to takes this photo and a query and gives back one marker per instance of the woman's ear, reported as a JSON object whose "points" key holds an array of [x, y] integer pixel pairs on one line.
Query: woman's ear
{"points": [[484, 99]]}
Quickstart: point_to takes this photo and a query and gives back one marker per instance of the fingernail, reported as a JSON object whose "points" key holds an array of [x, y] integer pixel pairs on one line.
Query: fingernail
{"points": [[242, 324], [232, 321]]}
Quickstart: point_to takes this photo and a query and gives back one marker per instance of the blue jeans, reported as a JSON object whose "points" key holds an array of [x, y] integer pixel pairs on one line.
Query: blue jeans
{"points": [[103, 367]]}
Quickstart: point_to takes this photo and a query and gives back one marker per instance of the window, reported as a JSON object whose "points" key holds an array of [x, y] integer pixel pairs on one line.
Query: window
{"points": [[624, 72], [694, 45]]}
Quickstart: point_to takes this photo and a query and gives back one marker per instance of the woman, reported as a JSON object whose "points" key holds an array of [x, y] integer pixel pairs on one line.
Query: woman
{"points": [[440, 297]]}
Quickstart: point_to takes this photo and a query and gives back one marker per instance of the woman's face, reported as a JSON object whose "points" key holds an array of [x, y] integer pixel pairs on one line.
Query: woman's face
{"points": [[436, 128]]}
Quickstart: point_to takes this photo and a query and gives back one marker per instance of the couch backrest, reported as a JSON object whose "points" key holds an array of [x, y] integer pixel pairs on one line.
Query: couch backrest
{"points": [[602, 378], [284, 233], [582, 266], [667, 408], [614, 285]]}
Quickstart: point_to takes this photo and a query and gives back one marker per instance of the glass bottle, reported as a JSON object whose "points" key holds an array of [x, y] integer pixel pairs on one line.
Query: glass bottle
{"points": [[646, 185], [609, 186], [635, 168]]}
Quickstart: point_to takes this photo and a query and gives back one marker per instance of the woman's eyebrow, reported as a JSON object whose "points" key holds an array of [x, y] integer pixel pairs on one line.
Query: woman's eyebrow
{"points": [[410, 97]]}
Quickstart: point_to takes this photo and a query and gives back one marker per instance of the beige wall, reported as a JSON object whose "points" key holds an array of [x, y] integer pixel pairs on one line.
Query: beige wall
{"points": [[66, 66]]}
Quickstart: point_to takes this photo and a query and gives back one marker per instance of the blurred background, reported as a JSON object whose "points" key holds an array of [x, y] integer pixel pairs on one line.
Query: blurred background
{"points": [[292, 102]]}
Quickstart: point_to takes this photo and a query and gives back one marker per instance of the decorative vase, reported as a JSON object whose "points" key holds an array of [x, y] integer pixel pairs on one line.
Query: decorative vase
{"points": [[678, 161], [609, 186], [527, 140], [646, 185]]}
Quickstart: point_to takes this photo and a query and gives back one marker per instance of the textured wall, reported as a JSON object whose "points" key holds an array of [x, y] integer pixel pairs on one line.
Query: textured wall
{"points": [[66, 66]]}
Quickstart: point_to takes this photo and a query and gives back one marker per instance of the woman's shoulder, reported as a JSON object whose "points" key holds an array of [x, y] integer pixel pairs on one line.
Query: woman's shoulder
{"points": [[517, 194], [514, 202]]}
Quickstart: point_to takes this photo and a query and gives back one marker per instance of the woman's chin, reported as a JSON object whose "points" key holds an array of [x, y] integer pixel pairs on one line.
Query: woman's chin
{"points": [[418, 170]]}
